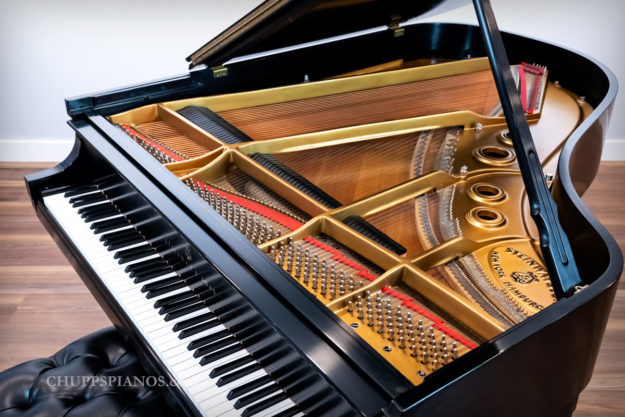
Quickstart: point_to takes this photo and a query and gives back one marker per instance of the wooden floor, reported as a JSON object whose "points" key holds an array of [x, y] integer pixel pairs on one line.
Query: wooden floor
{"points": [[44, 305]]}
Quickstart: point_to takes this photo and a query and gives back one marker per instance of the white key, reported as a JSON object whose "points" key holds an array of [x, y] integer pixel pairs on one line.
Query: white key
{"points": [[190, 376]]}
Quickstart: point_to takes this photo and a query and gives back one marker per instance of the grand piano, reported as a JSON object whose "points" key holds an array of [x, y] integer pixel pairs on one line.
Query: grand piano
{"points": [[336, 213]]}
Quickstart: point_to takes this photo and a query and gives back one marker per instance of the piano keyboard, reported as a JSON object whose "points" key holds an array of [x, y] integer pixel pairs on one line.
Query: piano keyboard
{"points": [[181, 314]]}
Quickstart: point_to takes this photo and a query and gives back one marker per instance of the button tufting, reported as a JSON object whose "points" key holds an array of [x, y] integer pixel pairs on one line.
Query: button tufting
{"points": [[79, 380]]}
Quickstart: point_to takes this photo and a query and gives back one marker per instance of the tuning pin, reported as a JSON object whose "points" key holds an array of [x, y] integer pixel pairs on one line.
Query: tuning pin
{"points": [[435, 362], [350, 306], [423, 356]]}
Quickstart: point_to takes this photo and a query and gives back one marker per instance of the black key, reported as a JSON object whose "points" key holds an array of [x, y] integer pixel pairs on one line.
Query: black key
{"points": [[148, 275], [177, 305], [122, 244], [250, 386], [255, 333], [122, 235], [290, 412], [212, 357], [106, 225], [165, 290], [173, 298], [241, 313], [199, 328], [204, 340], [240, 373], [153, 265], [185, 324], [163, 283], [264, 404], [230, 366], [129, 255], [184, 311], [147, 264], [256, 395], [271, 351], [81, 189], [140, 268], [86, 199], [222, 301], [100, 211], [209, 340]]}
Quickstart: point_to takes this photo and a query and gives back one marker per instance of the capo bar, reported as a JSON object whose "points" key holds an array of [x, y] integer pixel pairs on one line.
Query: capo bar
{"points": [[554, 243]]}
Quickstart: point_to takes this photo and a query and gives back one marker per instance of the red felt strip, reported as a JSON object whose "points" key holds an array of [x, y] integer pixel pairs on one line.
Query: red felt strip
{"points": [[286, 221], [438, 323]]}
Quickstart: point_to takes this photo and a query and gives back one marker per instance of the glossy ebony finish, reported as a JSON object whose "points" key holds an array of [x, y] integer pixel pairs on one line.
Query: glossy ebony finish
{"points": [[536, 368]]}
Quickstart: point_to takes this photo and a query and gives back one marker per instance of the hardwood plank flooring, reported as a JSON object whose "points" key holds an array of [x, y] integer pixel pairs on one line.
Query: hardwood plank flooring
{"points": [[44, 305]]}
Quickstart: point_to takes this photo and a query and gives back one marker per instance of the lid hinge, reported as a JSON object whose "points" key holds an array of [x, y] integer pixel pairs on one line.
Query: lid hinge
{"points": [[219, 71], [395, 26]]}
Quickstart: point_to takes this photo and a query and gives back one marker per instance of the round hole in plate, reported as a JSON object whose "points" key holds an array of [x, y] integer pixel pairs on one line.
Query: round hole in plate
{"points": [[505, 138], [421, 373], [387, 348], [494, 155], [486, 193], [354, 325], [486, 217]]}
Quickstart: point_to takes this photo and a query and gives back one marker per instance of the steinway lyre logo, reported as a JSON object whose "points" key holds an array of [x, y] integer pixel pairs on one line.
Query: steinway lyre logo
{"points": [[523, 277]]}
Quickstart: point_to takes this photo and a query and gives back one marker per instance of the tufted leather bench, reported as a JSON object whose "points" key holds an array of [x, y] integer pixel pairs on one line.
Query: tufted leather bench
{"points": [[75, 382]]}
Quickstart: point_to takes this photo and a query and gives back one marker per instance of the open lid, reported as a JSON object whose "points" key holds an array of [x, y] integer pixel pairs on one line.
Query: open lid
{"points": [[280, 23]]}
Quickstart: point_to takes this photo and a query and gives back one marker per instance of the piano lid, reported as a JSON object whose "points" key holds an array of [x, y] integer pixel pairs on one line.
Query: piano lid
{"points": [[280, 23]]}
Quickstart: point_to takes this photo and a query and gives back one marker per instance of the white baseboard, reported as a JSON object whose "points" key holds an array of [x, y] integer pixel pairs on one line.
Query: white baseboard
{"points": [[55, 150], [34, 150], [613, 150]]}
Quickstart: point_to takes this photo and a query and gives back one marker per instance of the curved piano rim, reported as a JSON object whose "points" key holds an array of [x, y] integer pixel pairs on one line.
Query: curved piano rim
{"points": [[548, 358], [581, 318]]}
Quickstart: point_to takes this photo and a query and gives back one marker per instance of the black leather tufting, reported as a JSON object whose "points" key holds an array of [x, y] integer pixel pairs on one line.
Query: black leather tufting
{"points": [[95, 376]]}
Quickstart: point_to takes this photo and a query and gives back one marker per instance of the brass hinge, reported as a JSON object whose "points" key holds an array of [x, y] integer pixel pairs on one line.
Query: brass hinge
{"points": [[578, 288], [219, 71], [395, 26]]}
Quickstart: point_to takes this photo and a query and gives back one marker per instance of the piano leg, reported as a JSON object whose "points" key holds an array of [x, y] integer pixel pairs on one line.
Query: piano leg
{"points": [[567, 411]]}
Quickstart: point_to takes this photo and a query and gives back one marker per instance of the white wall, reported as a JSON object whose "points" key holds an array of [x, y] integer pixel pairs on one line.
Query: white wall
{"points": [[50, 50], [594, 28]]}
